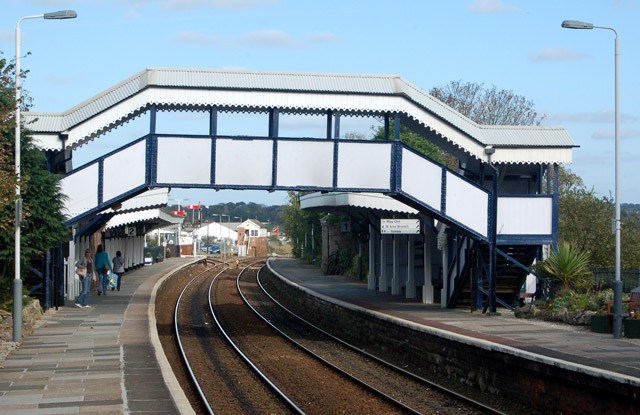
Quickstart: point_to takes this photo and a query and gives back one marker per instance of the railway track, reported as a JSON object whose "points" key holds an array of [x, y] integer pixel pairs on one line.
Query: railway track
{"points": [[243, 353], [221, 383], [420, 394]]}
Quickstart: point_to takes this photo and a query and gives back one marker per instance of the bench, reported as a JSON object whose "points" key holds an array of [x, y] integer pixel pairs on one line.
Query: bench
{"points": [[633, 301]]}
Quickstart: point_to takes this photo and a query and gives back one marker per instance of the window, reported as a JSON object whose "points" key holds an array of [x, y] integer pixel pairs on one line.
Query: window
{"points": [[253, 232]]}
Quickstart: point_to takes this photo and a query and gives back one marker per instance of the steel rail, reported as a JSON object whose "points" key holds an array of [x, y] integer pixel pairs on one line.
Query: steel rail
{"points": [[391, 366], [248, 361], [325, 361], [180, 346]]}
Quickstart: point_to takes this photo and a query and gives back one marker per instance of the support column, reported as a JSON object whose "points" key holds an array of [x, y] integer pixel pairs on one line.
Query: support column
{"points": [[395, 280], [71, 268], [383, 285], [371, 279], [427, 288], [444, 292], [411, 264]]}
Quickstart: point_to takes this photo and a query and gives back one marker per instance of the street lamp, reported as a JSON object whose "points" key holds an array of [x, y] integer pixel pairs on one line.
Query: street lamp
{"points": [[617, 284], [226, 240], [17, 282]]}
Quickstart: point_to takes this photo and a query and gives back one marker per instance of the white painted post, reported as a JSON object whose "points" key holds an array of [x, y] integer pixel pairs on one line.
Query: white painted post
{"points": [[444, 292], [395, 280], [371, 279], [427, 288], [383, 285], [411, 265], [71, 270]]}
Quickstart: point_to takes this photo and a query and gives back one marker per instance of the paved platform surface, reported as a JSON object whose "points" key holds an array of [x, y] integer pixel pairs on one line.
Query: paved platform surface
{"points": [[101, 360], [558, 341], [90, 361]]}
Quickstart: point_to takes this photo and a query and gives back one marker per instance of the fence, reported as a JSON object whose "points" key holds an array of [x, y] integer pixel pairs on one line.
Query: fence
{"points": [[605, 276]]}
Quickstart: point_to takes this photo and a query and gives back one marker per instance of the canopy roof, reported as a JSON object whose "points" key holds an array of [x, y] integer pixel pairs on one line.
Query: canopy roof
{"points": [[348, 94]]}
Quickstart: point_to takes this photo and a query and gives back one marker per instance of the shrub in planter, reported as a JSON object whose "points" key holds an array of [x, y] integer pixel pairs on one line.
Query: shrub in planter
{"points": [[632, 326], [601, 323]]}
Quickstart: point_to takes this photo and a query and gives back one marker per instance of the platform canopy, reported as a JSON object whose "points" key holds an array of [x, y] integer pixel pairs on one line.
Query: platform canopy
{"points": [[310, 93]]}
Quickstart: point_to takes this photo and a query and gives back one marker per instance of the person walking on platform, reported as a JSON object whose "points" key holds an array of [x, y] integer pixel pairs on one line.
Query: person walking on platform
{"points": [[118, 268], [84, 266], [102, 265]]}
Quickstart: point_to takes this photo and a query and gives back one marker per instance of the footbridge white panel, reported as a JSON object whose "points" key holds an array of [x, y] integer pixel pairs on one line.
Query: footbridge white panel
{"points": [[244, 162], [422, 178], [522, 215], [124, 170], [467, 203], [81, 189], [184, 160], [365, 166], [296, 171]]}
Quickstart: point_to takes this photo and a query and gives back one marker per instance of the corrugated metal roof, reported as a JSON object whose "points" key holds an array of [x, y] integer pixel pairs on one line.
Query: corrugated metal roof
{"points": [[142, 216], [148, 199], [361, 200], [522, 136], [310, 83]]}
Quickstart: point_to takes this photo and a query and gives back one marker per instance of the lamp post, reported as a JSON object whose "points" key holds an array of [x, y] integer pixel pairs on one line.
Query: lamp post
{"points": [[617, 284], [17, 281], [225, 253], [219, 226], [236, 244]]}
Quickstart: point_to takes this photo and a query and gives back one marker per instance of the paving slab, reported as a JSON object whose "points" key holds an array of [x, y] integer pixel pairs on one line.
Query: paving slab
{"points": [[96, 360]]}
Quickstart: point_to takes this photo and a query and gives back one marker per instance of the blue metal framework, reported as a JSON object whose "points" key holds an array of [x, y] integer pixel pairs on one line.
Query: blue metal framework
{"points": [[395, 184]]}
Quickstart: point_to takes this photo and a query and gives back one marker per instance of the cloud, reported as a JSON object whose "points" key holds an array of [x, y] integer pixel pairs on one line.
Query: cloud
{"points": [[57, 3], [626, 4], [323, 37], [269, 38], [261, 38], [184, 5], [556, 54], [592, 117], [257, 39], [132, 15], [491, 7], [625, 133], [6, 36], [59, 80]]}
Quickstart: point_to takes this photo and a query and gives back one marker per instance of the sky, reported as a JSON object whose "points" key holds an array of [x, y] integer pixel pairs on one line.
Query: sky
{"points": [[512, 44]]}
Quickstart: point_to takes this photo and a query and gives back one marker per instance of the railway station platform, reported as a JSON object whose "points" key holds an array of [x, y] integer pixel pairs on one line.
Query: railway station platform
{"points": [[574, 348], [95, 360]]}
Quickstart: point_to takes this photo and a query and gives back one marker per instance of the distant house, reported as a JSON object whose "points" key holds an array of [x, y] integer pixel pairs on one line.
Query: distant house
{"points": [[252, 238]]}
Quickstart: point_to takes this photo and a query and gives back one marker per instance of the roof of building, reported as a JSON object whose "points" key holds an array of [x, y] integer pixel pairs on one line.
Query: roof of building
{"points": [[350, 94]]}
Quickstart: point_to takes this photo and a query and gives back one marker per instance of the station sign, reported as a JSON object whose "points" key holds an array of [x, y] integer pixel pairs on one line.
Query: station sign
{"points": [[178, 212], [400, 226], [130, 230]]}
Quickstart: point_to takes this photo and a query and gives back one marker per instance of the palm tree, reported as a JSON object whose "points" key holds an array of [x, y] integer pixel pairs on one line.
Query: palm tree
{"points": [[568, 265]]}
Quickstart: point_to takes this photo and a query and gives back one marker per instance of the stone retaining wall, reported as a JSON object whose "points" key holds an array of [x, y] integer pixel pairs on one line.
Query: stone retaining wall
{"points": [[545, 385]]}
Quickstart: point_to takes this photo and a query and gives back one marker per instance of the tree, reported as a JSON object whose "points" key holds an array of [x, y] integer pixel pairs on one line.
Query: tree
{"points": [[43, 201], [417, 142], [488, 106], [585, 222], [298, 223]]}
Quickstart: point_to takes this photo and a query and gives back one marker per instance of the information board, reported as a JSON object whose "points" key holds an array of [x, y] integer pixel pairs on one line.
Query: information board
{"points": [[400, 226]]}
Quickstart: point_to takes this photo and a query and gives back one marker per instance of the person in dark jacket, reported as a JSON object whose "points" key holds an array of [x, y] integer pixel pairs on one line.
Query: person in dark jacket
{"points": [[118, 268]]}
